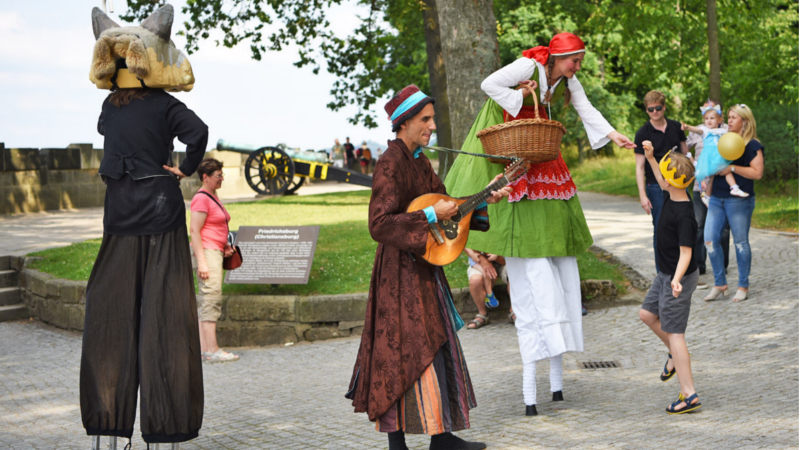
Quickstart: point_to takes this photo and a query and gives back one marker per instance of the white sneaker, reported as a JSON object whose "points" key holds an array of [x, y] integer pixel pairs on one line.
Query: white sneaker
{"points": [[221, 356], [738, 192]]}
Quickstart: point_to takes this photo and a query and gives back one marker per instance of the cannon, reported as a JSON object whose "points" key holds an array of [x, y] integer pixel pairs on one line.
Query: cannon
{"points": [[273, 171]]}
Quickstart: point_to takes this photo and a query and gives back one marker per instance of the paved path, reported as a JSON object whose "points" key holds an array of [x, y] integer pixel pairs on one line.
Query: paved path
{"points": [[745, 360]]}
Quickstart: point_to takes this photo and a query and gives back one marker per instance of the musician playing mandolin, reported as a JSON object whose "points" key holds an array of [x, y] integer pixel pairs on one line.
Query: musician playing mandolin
{"points": [[409, 339]]}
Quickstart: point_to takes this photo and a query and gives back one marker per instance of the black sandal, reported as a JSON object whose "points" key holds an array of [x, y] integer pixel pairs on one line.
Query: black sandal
{"points": [[665, 376], [688, 405]]}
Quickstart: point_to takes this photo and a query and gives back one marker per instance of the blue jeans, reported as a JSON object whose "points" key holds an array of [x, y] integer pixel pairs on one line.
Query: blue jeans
{"points": [[656, 197], [737, 213], [699, 251]]}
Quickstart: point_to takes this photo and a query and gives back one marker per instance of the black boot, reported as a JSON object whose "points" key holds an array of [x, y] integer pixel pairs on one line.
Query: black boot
{"points": [[530, 410], [448, 441], [558, 396], [397, 440]]}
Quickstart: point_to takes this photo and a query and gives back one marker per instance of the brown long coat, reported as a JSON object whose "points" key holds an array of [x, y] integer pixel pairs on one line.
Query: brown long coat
{"points": [[403, 328]]}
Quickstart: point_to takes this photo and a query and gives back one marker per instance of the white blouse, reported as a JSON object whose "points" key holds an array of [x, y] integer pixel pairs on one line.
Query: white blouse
{"points": [[497, 87]]}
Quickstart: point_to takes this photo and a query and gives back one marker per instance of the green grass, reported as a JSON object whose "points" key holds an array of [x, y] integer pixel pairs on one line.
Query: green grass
{"points": [[344, 256], [776, 203], [73, 262]]}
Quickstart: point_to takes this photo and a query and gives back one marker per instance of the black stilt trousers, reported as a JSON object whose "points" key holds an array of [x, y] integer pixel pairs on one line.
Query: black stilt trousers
{"points": [[141, 334]]}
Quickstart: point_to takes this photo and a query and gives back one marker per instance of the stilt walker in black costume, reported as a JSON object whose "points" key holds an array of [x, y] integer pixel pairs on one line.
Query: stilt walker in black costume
{"points": [[140, 334]]}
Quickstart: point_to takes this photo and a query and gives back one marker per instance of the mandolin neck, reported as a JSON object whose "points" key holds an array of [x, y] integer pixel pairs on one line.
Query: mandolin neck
{"points": [[476, 200]]}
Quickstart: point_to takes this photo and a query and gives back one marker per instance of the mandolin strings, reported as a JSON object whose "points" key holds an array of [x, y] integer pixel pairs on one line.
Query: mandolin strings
{"points": [[480, 197]]}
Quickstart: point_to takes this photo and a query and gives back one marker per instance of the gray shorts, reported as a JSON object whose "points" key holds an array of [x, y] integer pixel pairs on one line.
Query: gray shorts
{"points": [[672, 311]]}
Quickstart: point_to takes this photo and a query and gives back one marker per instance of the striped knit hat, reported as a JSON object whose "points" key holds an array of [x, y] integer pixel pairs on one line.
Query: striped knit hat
{"points": [[405, 105]]}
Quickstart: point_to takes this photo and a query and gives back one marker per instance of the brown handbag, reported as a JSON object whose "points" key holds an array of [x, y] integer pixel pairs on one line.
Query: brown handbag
{"points": [[234, 261]]}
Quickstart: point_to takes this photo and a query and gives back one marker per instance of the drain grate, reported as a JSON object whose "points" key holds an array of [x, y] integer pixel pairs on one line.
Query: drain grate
{"points": [[600, 365]]}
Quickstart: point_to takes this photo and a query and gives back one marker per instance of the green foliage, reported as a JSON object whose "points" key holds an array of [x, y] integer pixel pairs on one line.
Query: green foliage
{"points": [[633, 46], [777, 130], [378, 57]]}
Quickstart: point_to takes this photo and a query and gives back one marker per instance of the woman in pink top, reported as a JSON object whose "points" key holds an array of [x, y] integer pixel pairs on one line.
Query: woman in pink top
{"points": [[209, 230]]}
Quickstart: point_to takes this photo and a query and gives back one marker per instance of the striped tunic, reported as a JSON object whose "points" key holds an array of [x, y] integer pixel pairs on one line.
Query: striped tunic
{"points": [[441, 398]]}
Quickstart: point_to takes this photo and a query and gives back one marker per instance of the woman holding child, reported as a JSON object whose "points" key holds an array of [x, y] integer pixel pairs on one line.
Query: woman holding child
{"points": [[540, 235], [726, 208]]}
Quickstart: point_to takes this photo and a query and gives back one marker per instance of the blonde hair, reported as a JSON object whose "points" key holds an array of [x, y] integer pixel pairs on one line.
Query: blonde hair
{"points": [[682, 164], [655, 97], [714, 111], [748, 122]]}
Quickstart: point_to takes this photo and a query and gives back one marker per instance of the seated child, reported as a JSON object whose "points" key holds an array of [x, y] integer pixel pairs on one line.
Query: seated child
{"points": [[710, 161], [484, 269], [666, 306]]}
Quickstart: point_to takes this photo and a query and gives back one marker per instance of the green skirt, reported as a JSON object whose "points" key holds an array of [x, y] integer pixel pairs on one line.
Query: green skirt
{"points": [[523, 229]]}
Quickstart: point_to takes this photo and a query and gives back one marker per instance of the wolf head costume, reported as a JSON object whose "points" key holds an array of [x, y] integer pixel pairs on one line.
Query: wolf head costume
{"points": [[132, 57]]}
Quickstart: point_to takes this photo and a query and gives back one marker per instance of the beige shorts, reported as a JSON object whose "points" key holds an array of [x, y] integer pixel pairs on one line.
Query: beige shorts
{"points": [[209, 291], [477, 270]]}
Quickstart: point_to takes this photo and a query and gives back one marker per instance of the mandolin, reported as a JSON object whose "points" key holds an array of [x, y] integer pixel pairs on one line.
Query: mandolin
{"points": [[447, 238]]}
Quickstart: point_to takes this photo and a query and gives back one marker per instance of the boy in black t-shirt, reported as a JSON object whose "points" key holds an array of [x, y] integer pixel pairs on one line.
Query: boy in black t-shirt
{"points": [[666, 307]]}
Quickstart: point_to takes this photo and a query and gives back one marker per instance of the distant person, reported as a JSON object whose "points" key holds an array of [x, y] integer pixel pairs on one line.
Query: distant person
{"points": [[375, 158], [365, 158], [209, 230], [337, 153], [484, 270], [349, 155], [666, 306], [695, 141], [665, 135], [725, 208]]}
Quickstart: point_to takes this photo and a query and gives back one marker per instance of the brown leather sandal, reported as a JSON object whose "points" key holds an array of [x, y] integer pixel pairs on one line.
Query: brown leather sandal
{"points": [[479, 321]]}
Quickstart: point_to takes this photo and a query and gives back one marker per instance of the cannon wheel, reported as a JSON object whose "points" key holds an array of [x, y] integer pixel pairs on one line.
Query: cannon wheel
{"points": [[295, 185], [269, 171]]}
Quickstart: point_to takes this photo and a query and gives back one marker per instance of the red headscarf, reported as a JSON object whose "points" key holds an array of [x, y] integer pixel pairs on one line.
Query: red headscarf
{"points": [[561, 44]]}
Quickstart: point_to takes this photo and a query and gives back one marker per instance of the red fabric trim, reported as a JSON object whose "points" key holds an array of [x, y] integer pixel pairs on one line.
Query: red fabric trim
{"points": [[550, 180]]}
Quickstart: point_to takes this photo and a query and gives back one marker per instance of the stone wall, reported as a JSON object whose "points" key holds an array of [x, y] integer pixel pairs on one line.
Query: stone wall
{"points": [[33, 180]]}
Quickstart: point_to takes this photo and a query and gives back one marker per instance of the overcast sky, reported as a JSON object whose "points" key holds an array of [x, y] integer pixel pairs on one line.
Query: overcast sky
{"points": [[47, 100]]}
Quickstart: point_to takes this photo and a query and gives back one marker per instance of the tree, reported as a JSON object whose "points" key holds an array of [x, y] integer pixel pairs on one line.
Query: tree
{"points": [[714, 77]]}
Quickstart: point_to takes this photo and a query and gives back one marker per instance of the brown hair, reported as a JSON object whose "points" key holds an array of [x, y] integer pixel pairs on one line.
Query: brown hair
{"points": [[207, 167], [122, 97], [551, 62], [655, 97], [682, 164]]}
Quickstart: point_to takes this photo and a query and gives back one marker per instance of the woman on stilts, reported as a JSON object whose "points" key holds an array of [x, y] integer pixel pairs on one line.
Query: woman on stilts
{"points": [[140, 338], [541, 228]]}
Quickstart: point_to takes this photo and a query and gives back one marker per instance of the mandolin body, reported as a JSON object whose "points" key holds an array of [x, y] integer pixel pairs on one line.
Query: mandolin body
{"points": [[454, 232]]}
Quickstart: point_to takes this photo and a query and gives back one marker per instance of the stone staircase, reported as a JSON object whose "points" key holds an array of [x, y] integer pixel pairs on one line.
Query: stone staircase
{"points": [[11, 304]]}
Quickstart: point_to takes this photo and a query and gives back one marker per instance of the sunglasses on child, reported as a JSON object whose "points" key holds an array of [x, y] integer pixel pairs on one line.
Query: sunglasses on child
{"points": [[655, 108]]}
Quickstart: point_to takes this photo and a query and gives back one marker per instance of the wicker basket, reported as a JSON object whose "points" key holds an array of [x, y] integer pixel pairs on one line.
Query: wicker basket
{"points": [[535, 140]]}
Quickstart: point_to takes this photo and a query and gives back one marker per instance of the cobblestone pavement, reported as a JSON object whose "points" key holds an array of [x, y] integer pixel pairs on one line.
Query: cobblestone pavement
{"points": [[744, 358]]}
